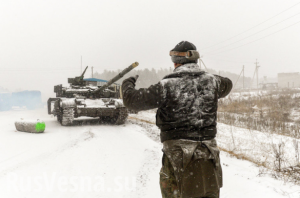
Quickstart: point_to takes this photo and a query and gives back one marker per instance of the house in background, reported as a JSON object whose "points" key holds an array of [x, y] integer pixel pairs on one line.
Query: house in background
{"points": [[289, 80], [95, 81]]}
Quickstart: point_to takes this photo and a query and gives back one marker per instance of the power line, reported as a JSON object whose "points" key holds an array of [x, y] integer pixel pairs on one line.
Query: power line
{"points": [[228, 60], [243, 77], [259, 38], [252, 27], [255, 33]]}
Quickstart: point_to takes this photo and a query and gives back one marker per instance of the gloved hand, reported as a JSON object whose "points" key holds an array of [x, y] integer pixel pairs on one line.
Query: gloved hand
{"points": [[131, 79], [135, 77]]}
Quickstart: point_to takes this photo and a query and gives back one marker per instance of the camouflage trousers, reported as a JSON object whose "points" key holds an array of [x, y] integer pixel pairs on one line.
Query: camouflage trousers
{"points": [[200, 178]]}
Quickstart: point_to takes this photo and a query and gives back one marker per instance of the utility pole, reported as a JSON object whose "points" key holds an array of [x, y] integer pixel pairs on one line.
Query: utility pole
{"points": [[92, 72], [243, 77], [256, 68], [203, 64], [238, 78]]}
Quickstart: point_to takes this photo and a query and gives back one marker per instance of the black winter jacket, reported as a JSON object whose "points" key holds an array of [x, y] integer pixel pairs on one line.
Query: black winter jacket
{"points": [[187, 102]]}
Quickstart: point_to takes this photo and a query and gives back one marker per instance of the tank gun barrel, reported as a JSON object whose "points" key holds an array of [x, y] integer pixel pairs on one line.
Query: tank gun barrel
{"points": [[117, 77], [78, 80], [82, 75]]}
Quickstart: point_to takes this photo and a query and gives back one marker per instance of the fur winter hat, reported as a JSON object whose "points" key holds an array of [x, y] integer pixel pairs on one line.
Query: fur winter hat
{"points": [[183, 46]]}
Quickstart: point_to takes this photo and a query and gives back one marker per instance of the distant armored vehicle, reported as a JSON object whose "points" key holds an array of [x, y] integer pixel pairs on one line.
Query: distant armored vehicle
{"points": [[81, 100]]}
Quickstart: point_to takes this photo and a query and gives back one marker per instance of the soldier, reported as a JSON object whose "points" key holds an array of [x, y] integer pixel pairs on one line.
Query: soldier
{"points": [[187, 102]]}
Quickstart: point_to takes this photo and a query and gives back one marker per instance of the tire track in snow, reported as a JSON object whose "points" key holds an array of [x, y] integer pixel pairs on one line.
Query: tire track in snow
{"points": [[152, 157], [151, 161]]}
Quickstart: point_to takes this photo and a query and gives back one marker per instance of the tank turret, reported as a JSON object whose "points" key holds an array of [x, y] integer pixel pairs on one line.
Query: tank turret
{"points": [[78, 80]]}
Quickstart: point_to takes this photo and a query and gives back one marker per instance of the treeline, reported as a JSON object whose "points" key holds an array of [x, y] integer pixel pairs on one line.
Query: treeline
{"points": [[148, 77]]}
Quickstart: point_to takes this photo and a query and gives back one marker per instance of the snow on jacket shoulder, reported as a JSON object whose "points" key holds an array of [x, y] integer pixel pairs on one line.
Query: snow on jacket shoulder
{"points": [[186, 99]]}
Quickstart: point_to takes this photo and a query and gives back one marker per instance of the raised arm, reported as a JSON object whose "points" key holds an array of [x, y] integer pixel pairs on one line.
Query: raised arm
{"points": [[141, 99]]}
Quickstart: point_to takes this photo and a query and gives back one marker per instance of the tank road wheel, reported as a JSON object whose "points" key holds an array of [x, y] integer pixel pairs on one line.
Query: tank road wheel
{"points": [[67, 116], [59, 118], [121, 116]]}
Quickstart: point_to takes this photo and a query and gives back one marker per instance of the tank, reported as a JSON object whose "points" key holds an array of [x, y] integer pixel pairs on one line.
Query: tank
{"points": [[101, 104]]}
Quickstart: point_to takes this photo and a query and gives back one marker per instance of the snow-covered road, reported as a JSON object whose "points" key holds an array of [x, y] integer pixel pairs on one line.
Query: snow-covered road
{"points": [[103, 161]]}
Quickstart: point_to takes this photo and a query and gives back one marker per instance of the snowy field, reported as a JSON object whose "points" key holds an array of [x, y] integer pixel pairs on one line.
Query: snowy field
{"points": [[105, 161]]}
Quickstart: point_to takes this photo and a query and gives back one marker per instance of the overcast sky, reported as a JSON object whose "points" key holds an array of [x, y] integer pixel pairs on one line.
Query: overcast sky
{"points": [[41, 41]]}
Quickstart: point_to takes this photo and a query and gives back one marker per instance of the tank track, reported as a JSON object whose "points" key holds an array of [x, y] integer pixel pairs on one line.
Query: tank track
{"points": [[59, 118], [67, 116], [122, 116]]}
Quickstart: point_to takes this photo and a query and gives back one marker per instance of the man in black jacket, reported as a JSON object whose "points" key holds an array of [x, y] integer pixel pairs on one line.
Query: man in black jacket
{"points": [[187, 102]]}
